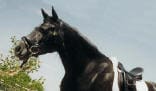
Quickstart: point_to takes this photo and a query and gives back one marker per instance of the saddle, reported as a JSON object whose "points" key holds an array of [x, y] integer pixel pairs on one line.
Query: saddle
{"points": [[130, 77]]}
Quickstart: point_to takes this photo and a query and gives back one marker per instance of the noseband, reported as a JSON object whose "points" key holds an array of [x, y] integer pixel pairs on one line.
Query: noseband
{"points": [[34, 47]]}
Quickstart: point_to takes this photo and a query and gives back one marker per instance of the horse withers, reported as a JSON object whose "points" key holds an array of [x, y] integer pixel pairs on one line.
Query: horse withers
{"points": [[86, 68]]}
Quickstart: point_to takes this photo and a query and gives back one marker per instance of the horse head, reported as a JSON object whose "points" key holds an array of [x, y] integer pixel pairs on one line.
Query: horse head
{"points": [[45, 38]]}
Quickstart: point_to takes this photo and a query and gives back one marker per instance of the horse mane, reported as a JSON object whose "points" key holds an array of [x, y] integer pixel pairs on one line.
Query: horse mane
{"points": [[81, 41]]}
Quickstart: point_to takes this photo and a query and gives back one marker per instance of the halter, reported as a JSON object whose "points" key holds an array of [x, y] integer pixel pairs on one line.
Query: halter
{"points": [[30, 47], [34, 48]]}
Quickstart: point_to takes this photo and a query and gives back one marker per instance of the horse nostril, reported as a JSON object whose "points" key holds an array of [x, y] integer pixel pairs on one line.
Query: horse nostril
{"points": [[18, 48]]}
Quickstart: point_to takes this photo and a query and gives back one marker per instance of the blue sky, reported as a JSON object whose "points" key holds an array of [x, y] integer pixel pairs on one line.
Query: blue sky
{"points": [[125, 29]]}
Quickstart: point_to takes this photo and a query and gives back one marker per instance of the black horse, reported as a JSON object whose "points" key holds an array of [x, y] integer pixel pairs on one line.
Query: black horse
{"points": [[86, 68]]}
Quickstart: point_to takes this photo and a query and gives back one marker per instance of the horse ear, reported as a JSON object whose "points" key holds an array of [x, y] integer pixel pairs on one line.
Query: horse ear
{"points": [[44, 14], [54, 14]]}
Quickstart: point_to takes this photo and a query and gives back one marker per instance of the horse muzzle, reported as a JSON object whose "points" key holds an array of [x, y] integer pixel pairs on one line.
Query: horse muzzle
{"points": [[21, 51]]}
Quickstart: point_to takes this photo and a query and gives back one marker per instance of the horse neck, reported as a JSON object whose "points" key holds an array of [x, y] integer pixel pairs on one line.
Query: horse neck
{"points": [[77, 52]]}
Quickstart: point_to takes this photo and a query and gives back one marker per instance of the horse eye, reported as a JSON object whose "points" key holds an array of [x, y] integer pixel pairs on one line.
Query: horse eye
{"points": [[39, 35]]}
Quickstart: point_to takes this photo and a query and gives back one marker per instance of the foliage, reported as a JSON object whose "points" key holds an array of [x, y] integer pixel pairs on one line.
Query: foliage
{"points": [[14, 78]]}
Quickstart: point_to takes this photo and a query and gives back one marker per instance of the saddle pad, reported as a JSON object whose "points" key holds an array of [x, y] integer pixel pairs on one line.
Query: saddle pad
{"points": [[141, 86], [115, 86]]}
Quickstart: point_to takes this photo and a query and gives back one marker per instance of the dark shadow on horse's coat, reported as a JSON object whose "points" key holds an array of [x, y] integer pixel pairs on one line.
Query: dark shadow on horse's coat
{"points": [[86, 68]]}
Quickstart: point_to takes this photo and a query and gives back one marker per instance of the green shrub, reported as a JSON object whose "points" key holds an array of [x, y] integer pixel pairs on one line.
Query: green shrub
{"points": [[14, 78]]}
